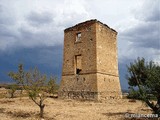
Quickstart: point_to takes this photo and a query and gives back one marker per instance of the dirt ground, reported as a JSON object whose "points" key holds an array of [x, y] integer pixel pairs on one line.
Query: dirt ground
{"points": [[56, 109]]}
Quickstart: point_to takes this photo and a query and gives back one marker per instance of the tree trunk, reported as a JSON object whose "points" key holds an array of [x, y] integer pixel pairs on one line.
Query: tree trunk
{"points": [[155, 108], [12, 94], [158, 100], [21, 94], [41, 110], [158, 105]]}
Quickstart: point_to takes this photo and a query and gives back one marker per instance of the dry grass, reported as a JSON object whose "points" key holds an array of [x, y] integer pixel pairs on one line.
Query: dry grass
{"points": [[56, 109]]}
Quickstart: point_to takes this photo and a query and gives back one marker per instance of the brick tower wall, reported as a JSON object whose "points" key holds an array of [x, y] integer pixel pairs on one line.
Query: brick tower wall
{"points": [[108, 84], [97, 50], [83, 85]]}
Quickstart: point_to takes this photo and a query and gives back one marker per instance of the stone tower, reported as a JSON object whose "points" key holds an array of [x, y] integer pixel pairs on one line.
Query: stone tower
{"points": [[90, 64]]}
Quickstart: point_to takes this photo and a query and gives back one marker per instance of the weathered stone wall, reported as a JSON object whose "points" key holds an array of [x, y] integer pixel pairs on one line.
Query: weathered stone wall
{"points": [[106, 48], [86, 47], [107, 63], [79, 86], [108, 86], [83, 85], [98, 78]]}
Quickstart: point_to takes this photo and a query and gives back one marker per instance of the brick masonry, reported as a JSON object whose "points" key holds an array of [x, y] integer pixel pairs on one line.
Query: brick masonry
{"points": [[90, 63]]}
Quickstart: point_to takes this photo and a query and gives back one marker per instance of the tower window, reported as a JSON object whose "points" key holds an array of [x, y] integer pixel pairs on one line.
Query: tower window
{"points": [[78, 62], [78, 37]]}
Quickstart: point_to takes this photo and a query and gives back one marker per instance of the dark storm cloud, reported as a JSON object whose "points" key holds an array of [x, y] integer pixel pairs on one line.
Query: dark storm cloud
{"points": [[32, 32], [39, 38], [122, 73], [6, 31], [8, 37], [155, 15], [142, 38], [144, 35], [37, 19], [47, 59], [35, 27]]}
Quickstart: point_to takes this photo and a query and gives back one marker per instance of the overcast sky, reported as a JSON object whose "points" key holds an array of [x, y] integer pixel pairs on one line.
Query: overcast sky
{"points": [[31, 31]]}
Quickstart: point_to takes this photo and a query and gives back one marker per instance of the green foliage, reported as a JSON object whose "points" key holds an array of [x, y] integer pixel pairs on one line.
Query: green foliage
{"points": [[18, 77], [12, 89], [52, 85], [146, 77], [35, 84], [133, 94]]}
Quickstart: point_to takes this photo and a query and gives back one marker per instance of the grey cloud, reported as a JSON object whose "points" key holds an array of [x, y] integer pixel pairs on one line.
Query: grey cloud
{"points": [[37, 19], [6, 31], [0, 8], [6, 16], [8, 34], [150, 11], [142, 38], [30, 38], [144, 35], [47, 59], [34, 27], [155, 16], [8, 37]]}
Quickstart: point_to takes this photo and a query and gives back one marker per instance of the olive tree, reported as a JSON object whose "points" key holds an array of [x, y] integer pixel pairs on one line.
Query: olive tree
{"points": [[52, 86], [145, 77], [34, 83], [18, 77], [12, 89]]}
